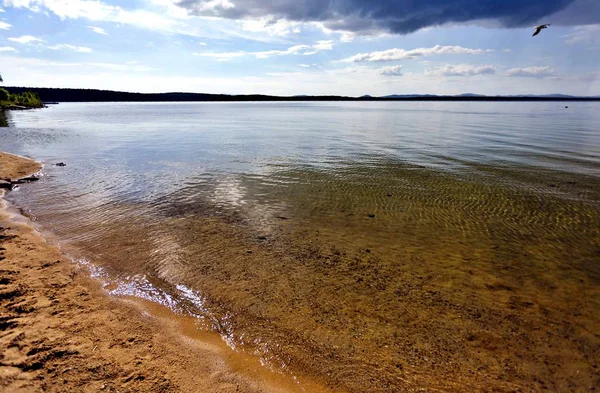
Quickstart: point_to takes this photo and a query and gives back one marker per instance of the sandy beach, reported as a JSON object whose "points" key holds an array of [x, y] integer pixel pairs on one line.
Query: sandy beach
{"points": [[60, 333]]}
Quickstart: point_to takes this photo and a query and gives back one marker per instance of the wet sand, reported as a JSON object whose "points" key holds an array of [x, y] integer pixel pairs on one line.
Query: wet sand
{"points": [[14, 167], [60, 332]]}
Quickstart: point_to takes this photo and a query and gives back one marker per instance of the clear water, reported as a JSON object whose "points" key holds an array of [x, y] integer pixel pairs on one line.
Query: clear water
{"points": [[375, 246]]}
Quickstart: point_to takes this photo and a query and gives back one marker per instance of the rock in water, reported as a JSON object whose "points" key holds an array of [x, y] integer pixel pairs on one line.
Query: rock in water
{"points": [[30, 178], [60, 164]]}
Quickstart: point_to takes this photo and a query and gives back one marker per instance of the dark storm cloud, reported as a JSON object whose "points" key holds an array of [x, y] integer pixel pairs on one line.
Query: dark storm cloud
{"points": [[580, 12], [395, 16]]}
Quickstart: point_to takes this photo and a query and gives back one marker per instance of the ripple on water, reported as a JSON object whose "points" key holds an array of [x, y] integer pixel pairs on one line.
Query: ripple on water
{"points": [[380, 248]]}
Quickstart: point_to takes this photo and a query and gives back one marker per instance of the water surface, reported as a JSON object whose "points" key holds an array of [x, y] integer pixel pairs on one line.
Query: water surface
{"points": [[374, 246]]}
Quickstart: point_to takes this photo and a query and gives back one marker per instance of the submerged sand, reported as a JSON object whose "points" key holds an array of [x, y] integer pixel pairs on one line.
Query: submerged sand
{"points": [[59, 332], [463, 313]]}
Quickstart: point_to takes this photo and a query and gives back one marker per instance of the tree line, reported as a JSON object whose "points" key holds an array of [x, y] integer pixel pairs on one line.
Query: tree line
{"points": [[28, 99]]}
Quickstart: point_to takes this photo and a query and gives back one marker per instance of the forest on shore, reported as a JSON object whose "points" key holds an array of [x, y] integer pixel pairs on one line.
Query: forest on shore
{"points": [[49, 95]]}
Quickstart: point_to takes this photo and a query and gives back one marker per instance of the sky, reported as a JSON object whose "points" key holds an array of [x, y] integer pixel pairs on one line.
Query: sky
{"points": [[303, 47]]}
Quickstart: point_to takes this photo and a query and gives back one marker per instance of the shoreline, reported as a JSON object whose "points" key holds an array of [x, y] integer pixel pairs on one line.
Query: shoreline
{"points": [[62, 332]]}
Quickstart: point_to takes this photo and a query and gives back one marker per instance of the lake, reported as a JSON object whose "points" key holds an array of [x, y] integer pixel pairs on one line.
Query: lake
{"points": [[371, 246]]}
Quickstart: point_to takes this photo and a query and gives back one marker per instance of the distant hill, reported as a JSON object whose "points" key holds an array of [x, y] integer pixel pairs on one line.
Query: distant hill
{"points": [[400, 96], [93, 95]]}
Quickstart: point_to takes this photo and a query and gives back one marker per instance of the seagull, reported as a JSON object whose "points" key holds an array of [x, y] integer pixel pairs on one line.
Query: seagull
{"points": [[539, 28]]}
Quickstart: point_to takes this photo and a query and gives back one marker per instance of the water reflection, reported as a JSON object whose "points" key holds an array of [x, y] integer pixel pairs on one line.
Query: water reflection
{"points": [[3, 119]]}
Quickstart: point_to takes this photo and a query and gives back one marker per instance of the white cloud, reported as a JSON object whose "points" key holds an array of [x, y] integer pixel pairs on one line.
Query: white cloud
{"points": [[95, 10], [292, 50], [81, 49], [28, 39], [25, 39], [583, 35], [1, 10], [532, 72], [215, 4], [97, 30], [277, 27], [7, 49], [32, 64], [4, 25], [323, 45], [304, 65], [127, 66], [390, 71], [223, 56], [347, 37], [202, 43], [354, 81], [402, 54], [461, 70]]}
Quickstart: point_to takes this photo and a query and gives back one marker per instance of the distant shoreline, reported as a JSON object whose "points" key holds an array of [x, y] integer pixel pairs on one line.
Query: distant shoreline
{"points": [[91, 95]]}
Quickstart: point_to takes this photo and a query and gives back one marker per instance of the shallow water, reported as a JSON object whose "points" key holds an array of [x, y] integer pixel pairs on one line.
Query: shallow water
{"points": [[372, 246]]}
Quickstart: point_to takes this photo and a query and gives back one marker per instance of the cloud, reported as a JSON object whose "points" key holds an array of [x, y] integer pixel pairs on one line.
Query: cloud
{"points": [[80, 49], [305, 50], [390, 71], [95, 10], [461, 70], [323, 45], [28, 39], [583, 35], [7, 49], [4, 25], [356, 81], [223, 56], [394, 16], [273, 27], [531, 72], [25, 39], [578, 13], [31, 64], [402, 54], [97, 30]]}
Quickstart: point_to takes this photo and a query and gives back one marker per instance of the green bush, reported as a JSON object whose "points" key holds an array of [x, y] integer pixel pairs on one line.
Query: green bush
{"points": [[4, 95], [26, 98]]}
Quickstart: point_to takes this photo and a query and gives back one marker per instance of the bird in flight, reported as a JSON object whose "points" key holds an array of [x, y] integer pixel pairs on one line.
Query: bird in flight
{"points": [[539, 28]]}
